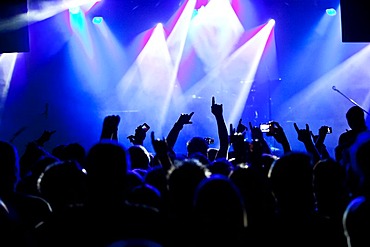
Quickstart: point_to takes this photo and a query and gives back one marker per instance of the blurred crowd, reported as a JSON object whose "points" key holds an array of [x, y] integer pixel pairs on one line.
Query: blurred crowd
{"points": [[238, 194]]}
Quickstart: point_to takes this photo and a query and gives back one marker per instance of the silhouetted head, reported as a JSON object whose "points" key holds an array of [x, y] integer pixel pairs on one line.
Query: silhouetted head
{"points": [[291, 179], [255, 189], [212, 153], [74, 151], [157, 177], [63, 184], [107, 166], [329, 186], [145, 195], [183, 180], [139, 157], [197, 145], [221, 166], [328, 175], [356, 118], [220, 216], [201, 157]]}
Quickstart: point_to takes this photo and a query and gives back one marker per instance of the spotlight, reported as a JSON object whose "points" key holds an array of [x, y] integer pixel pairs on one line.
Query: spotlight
{"points": [[331, 12], [97, 20]]}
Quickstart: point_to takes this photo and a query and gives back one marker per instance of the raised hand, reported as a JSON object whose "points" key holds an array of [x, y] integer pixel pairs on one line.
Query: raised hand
{"points": [[159, 145], [278, 133], [304, 135], [216, 109], [323, 131], [111, 122], [241, 128], [46, 135], [162, 151], [139, 136], [319, 141], [256, 132], [314, 137], [233, 134], [110, 127], [232, 130], [185, 119], [223, 136]]}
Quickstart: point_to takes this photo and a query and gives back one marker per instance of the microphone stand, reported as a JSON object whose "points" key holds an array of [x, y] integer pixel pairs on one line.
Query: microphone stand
{"points": [[351, 100]]}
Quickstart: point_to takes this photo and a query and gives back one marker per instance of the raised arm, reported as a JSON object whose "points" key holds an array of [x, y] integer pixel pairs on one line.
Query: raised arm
{"points": [[140, 134], [319, 141], [240, 146], [304, 135], [162, 152], [217, 111], [172, 136], [110, 127], [278, 133], [257, 135]]}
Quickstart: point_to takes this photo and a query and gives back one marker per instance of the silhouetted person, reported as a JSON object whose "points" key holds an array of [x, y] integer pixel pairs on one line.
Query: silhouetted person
{"points": [[259, 203], [182, 183], [140, 159], [356, 121], [28, 183], [63, 185], [291, 183], [107, 165], [29, 210], [220, 217], [356, 219], [331, 200], [355, 117]]}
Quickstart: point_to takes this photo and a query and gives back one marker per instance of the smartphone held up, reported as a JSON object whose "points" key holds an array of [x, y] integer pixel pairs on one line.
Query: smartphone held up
{"points": [[145, 127]]}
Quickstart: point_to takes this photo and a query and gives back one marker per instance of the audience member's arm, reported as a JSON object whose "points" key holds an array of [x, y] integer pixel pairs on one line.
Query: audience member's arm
{"points": [[45, 136], [177, 127], [140, 135], [239, 145], [280, 136], [304, 135], [217, 111], [110, 128], [319, 142], [257, 135], [34, 150], [162, 152]]}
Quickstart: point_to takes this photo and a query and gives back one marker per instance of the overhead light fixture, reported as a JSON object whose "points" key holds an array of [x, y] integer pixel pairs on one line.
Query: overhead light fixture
{"points": [[331, 12], [97, 20]]}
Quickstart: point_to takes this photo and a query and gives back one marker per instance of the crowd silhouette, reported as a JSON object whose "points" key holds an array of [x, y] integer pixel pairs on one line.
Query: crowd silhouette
{"points": [[239, 194]]}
